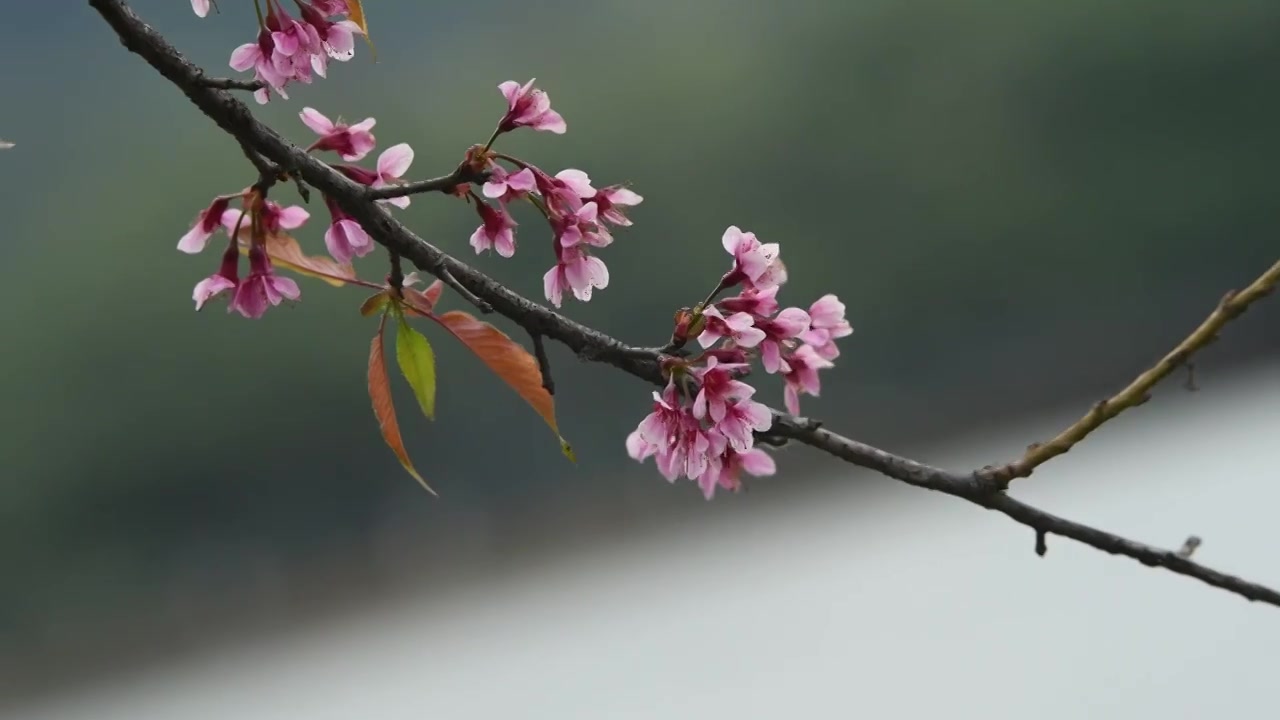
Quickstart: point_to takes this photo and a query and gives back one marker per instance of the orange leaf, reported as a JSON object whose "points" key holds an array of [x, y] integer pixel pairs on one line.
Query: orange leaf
{"points": [[510, 361], [285, 252], [384, 410]]}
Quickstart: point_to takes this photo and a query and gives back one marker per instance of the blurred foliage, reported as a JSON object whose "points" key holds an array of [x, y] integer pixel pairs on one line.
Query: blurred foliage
{"points": [[1019, 202]]}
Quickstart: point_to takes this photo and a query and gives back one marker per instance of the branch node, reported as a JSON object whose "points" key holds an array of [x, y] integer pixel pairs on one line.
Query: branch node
{"points": [[1188, 546], [1190, 384], [395, 279], [1042, 546]]}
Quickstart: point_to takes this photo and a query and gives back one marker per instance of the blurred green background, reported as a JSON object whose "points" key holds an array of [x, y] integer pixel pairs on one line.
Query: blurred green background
{"points": [[1020, 203]]}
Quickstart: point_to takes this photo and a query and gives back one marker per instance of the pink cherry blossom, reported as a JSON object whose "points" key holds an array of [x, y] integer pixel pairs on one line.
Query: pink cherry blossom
{"points": [[225, 280], [338, 38], [496, 231], [800, 371], [718, 386], [679, 444], [742, 419], [755, 264], [351, 142], [611, 200], [530, 107], [206, 222], [738, 327], [257, 56], [760, 303], [201, 7], [780, 333], [566, 191], [696, 451], [272, 219], [345, 238], [755, 462], [505, 187], [581, 228], [577, 272], [827, 324], [658, 430], [263, 288]]}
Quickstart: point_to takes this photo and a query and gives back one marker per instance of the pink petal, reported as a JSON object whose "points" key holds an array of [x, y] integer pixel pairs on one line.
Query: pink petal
{"points": [[511, 91], [577, 181], [524, 181], [551, 286], [395, 160], [731, 240], [245, 56], [194, 240], [284, 287], [758, 462], [551, 121], [623, 196], [791, 399], [293, 217], [318, 123], [210, 288]]}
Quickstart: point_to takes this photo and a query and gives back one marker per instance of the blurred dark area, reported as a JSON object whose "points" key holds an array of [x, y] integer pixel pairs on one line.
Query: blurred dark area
{"points": [[1021, 204]]}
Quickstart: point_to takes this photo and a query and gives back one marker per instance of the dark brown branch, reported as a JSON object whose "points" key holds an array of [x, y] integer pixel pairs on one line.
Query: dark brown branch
{"points": [[544, 363], [982, 488], [231, 84]]}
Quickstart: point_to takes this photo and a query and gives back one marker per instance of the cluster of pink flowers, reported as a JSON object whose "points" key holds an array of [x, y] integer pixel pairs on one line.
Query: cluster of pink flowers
{"points": [[259, 219], [290, 49], [703, 423], [578, 213]]}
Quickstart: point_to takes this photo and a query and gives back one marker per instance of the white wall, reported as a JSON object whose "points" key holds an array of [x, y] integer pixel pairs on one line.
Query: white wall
{"points": [[845, 604]]}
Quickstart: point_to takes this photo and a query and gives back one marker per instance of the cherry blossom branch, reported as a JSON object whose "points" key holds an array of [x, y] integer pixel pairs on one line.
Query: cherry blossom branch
{"points": [[1232, 305], [985, 487], [445, 184]]}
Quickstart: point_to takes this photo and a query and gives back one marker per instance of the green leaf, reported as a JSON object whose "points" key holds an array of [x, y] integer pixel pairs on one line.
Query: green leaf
{"points": [[384, 410], [375, 303], [418, 363]]}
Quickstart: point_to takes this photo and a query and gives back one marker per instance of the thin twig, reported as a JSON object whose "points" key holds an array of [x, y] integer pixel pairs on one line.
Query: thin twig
{"points": [[544, 363], [1138, 392], [984, 488], [444, 183]]}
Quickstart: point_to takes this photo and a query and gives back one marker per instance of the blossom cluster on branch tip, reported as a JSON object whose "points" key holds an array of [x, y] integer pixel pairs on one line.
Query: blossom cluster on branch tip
{"points": [[290, 49], [577, 213], [704, 421]]}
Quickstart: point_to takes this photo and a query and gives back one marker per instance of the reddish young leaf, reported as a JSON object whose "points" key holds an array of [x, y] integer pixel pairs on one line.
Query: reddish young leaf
{"points": [[510, 361], [384, 410], [432, 293], [285, 252], [422, 303]]}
